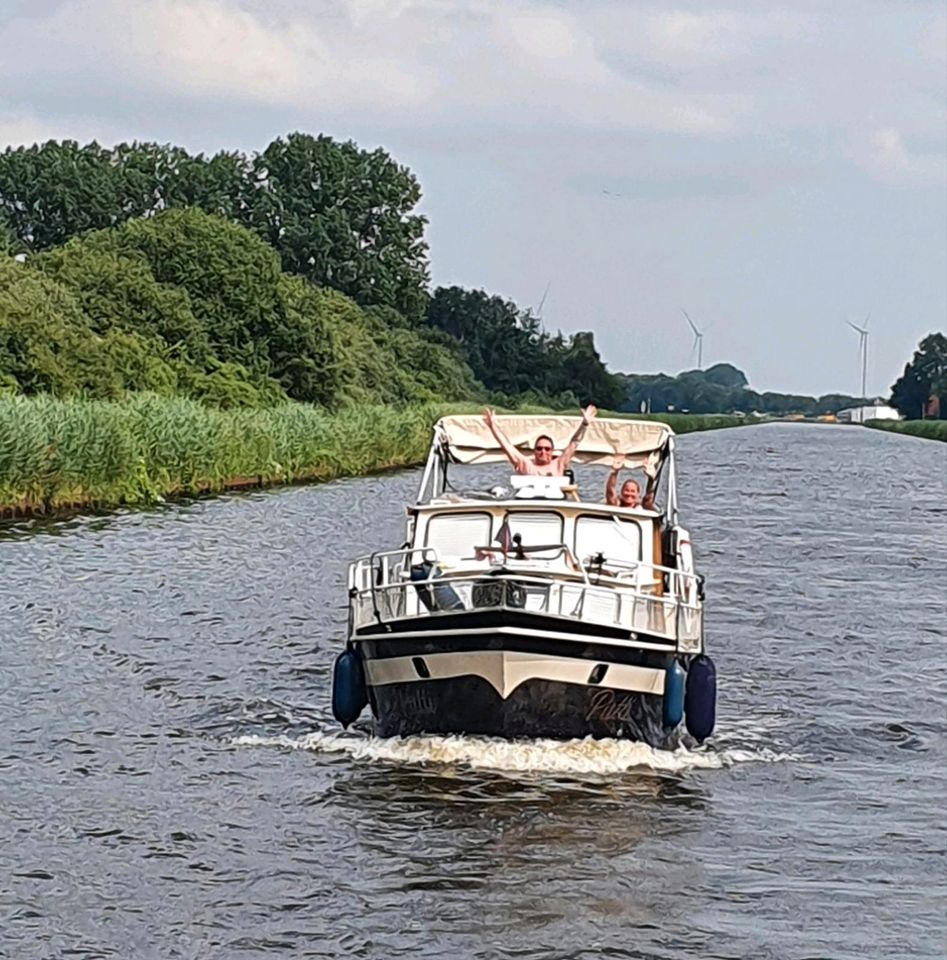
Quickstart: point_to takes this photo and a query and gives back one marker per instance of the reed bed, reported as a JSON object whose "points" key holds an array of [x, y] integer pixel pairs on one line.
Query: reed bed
{"points": [[926, 429], [57, 454]]}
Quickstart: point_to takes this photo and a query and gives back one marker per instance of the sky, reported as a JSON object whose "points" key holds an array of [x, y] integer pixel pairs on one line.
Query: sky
{"points": [[777, 170]]}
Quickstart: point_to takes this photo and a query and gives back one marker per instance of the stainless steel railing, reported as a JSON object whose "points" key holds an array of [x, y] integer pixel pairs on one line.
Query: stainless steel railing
{"points": [[410, 584]]}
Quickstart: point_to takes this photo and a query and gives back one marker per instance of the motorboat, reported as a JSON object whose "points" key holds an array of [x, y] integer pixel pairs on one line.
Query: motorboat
{"points": [[525, 611]]}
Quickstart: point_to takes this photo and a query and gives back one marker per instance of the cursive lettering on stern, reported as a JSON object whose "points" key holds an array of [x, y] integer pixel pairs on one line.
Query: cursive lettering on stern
{"points": [[610, 707], [417, 700]]}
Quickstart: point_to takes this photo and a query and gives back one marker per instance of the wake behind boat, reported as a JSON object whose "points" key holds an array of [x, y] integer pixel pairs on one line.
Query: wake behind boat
{"points": [[527, 612]]}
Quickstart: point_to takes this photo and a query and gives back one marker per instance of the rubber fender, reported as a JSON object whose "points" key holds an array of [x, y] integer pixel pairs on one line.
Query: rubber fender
{"points": [[349, 695], [673, 707], [700, 698]]}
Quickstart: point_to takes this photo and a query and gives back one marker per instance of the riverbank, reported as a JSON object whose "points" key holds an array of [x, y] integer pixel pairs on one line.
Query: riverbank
{"points": [[67, 454], [926, 429]]}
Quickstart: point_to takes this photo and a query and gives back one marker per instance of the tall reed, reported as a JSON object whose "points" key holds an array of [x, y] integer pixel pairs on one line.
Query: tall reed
{"points": [[59, 453]]}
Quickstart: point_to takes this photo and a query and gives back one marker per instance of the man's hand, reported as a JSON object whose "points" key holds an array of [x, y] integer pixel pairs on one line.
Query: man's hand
{"points": [[588, 414], [488, 416], [618, 463]]}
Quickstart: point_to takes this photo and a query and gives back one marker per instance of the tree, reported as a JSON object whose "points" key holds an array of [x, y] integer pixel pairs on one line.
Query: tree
{"points": [[118, 290], [52, 192], [47, 346], [925, 376], [582, 372], [343, 218], [502, 344], [725, 375], [338, 215]]}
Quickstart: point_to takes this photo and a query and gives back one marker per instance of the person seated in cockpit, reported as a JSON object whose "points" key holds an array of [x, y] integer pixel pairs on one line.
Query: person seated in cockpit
{"points": [[630, 493], [542, 463]]}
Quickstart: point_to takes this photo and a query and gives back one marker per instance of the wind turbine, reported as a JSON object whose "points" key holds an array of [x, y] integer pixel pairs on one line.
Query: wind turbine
{"points": [[862, 349], [542, 299], [698, 341]]}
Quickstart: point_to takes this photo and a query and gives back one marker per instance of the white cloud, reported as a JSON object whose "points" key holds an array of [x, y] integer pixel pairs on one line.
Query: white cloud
{"points": [[797, 82], [888, 158], [688, 39], [429, 61]]}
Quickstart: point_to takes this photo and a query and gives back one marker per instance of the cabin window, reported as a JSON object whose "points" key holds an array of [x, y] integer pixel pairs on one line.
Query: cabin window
{"points": [[536, 528], [618, 540], [457, 534]]}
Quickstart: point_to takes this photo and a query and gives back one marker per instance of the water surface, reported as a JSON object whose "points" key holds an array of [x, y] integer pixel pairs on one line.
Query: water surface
{"points": [[172, 783]]}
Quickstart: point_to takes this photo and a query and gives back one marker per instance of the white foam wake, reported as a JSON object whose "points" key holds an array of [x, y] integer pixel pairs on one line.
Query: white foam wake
{"points": [[522, 756]]}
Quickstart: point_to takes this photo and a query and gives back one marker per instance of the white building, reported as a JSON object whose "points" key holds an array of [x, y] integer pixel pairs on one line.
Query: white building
{"points": [[861, 414]]}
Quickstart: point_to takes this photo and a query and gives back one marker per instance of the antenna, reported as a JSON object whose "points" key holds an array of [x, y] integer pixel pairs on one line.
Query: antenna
{"points": [[698, 341], [862, 350]]}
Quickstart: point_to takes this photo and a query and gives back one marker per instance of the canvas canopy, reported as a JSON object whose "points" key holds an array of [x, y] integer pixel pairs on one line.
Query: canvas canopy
{"points": [[469, 439]]}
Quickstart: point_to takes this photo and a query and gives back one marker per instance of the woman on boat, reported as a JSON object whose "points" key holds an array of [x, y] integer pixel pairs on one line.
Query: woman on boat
{"points": [[542, 463], [630, 493]]}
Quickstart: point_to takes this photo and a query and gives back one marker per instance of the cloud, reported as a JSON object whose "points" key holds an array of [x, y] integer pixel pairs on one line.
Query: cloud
{"points": [[886, 157], [427, 61], [690, 39], [798, 83]]}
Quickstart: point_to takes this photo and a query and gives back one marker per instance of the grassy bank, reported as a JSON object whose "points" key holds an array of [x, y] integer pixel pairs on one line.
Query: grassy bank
{"points": [[692, 422], [927, 429], [58, 454]]}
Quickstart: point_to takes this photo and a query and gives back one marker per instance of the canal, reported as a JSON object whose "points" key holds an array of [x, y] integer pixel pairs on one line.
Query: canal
{"points": [[172, 783]]}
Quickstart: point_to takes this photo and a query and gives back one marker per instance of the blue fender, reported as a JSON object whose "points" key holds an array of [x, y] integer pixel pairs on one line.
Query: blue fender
{"points": [[700, 698], [673, 706], [349, 695]]}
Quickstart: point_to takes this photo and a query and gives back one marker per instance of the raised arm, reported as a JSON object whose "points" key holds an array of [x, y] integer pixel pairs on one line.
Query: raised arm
{"points": [[512, 454], [611, 497], [588, 415]]}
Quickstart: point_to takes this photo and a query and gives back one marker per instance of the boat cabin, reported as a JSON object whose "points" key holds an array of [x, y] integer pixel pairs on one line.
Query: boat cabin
{"points": [[534, 545]]}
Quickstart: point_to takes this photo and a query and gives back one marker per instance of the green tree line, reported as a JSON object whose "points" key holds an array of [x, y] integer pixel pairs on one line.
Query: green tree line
{"points": [[723, 388], [187, 303], [298, 272]]}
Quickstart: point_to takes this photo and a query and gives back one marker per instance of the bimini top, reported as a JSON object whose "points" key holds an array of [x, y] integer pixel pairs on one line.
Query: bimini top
{"points": [[467, 439]]}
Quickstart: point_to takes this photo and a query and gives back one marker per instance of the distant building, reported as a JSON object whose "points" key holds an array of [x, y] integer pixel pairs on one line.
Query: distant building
{"points": [[861, 414]]}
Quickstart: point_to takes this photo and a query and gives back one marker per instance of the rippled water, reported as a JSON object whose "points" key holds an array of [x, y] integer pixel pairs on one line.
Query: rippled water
{"points": [[172, 784]]}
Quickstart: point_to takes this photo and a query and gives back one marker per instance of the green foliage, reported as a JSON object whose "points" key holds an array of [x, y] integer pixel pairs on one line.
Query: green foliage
{"points": [[510, 353], [56, 453], [185, 302], [65, 452], [337, 215], [342, 217], [50, 344], [230, 277], [52, 192], [382, 363], [924, 378], [118, 290], [926, 429], [725, 375], [47, 345], [706, 391]]}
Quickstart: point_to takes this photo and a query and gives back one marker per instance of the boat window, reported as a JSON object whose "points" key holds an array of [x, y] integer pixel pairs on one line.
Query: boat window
{"points": [[456, 534], [615, 539], [536, 527]]}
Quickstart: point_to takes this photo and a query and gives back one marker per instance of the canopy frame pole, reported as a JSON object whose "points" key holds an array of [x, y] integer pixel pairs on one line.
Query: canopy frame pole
{"points": [[672, 482], [428, 470]]}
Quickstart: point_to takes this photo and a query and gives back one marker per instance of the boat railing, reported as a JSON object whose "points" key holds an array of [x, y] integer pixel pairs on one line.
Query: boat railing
{"points": [[648, 599]]}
